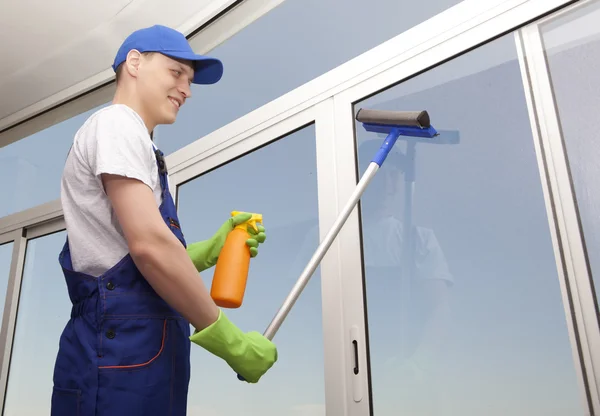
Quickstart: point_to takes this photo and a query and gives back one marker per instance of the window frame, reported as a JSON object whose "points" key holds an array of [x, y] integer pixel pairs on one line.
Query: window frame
{"points": [[9, 316], [20, 238], [326, 101], [572, 262], [576, 291], [213, 153]]}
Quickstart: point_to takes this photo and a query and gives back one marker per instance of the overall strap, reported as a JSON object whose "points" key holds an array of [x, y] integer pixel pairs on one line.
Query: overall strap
{"points": [[162, 169]]}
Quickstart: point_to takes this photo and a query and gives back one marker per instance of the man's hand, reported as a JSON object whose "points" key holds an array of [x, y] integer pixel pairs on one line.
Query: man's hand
{"points": [[204, 254], [249, 354]]}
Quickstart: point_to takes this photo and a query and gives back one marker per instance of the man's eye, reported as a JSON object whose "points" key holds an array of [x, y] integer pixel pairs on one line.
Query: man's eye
{"points": [[178, 73]]}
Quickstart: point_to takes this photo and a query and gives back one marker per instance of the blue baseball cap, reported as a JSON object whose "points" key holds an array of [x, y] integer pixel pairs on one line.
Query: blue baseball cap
{"points": [[171, 43]]}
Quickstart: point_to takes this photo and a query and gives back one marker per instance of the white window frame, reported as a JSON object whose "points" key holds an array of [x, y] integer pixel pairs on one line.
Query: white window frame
{"points": [[326, 101], [19, 237], [215, 154], [9, 317], [496, 24], [572, 265]]}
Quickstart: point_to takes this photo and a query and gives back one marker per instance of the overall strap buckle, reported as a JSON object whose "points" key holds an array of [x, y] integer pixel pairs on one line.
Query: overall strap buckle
{"points": [[162, 164]]}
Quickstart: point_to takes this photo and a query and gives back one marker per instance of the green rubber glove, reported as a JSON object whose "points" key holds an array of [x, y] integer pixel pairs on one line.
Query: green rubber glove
{"points": [[204, 254], [250, 354]]}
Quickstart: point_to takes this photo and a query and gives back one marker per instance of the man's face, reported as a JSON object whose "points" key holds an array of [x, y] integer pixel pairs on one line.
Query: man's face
{"points": [[163, 86], [386, 191]]}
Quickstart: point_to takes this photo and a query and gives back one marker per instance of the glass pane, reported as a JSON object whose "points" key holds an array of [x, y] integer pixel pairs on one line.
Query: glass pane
{"points": [[313, 37], [572, 46], [34, 165], [6, 251], [44, 308], [475, 324], [284, 190]]}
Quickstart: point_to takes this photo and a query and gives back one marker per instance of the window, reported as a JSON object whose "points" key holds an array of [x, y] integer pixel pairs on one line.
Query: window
{"points": [[572, 48], [44, 309], [6, 251], [278, 181], [475, 323], [312, 37], [34, 165]]}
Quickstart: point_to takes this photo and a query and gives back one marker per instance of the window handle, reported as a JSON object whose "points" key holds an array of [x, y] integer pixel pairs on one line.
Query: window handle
{"points": [[357, 380]]}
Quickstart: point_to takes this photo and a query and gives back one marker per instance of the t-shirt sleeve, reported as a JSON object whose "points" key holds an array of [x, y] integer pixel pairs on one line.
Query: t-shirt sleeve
{"points": [[431, 263], [115, 143]]}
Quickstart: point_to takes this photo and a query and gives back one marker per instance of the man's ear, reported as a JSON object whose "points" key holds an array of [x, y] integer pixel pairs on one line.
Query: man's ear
{"points": [[132, 63]]}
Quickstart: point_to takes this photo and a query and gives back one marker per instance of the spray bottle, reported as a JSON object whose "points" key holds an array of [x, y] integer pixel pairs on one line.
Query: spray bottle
{"points": [[231, 272]]}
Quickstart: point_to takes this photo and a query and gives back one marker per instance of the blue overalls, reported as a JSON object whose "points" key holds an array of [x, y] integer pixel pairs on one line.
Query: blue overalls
{"points": [[125, 351]]}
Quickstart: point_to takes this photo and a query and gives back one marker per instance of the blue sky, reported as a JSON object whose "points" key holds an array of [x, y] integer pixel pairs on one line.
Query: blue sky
{"points": [[506, 348]]}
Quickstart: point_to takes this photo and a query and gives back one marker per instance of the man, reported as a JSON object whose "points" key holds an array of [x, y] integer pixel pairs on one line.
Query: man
{"points": [[414, 300], [131, 276]]}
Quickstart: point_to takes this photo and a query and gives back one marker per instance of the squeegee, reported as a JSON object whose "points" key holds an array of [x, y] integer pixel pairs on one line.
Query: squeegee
{"points": [[392, 123]]}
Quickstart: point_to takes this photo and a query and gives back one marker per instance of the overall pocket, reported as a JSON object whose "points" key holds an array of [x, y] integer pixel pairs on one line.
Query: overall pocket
{"points": [[65, 402], [135, 372], [132, 343]]}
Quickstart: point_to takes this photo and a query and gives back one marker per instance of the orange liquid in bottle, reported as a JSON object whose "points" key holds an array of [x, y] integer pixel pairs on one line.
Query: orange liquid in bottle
{"points": [[231, 271]]}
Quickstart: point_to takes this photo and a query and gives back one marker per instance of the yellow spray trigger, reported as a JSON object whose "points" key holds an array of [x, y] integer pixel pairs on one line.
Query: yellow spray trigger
{"points": [[252, 221]]}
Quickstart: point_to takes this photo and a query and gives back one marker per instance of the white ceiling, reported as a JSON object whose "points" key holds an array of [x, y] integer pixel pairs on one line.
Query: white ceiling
{"points": [[49, 46]]}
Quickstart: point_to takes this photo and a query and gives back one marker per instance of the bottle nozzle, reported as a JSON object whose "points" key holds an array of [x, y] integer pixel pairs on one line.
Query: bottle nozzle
{"points": [[252, 221]]}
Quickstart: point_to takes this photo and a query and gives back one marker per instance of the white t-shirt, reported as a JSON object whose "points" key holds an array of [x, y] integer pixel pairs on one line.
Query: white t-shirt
{"points": [[382, 246], [112, 140]]}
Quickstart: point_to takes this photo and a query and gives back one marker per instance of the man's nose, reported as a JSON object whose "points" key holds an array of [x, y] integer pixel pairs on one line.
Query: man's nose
{"points": [[185, 90]]}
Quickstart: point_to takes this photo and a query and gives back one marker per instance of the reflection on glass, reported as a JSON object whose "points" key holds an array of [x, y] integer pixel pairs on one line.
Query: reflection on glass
{"points": [[278, 181], [33, 165], [312, 37], [6, 251], [464, 305], [572, 46], [44, 308]]}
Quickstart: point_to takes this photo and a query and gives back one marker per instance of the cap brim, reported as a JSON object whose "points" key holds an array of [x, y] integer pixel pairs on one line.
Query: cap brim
{"points": [[208, 70]]}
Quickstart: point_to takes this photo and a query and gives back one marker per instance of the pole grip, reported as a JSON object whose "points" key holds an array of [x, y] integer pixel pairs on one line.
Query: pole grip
{"points": [[386, 147]]}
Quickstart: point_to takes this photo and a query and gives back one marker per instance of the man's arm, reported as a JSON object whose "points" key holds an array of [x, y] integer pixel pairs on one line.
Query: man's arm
{"points": [[157, 253]]}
